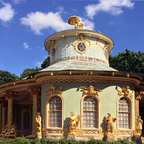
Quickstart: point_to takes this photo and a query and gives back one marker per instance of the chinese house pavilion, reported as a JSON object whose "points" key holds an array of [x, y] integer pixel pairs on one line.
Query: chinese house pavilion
{"points": [[78, 96]]}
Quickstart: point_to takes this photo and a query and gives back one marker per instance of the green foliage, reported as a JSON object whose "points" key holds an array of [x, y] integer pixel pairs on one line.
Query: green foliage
{"points": [[28, 71], [81, 142], [36, 141], [72, 141], [63, 141], [18, 140], [22, 140], [125, 141], [1, 142], [93, 141], [128, 61], [6, 76], [45, 63], [43, 140]]}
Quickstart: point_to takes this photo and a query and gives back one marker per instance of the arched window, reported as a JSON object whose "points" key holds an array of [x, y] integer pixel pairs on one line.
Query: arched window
{"points": [[123, 113], [55, 112], [90, 112]]}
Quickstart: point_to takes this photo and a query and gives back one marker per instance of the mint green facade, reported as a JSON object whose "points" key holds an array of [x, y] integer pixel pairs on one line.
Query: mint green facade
{"points": [[72, 96]]}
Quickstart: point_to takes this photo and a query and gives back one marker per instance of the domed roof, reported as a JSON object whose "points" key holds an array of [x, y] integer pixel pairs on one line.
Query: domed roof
{"points": [[78, 65], [78, 49]]}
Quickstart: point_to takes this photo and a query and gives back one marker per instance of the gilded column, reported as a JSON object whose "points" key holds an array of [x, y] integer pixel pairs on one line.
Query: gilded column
{"points": [[136, 111], [10, 96], [0, 117], [10, 114], [3, 116], [138, 96], [35, 93]]}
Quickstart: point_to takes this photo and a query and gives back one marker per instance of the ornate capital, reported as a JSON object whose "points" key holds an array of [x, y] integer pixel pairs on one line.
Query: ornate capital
{"points": [[54, 89], [138, 95], [10, 95], [4, 104], [125, 92], [88, 90], [34, 91]]}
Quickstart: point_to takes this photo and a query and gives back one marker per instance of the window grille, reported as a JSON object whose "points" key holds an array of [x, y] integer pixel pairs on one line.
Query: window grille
{"points": [[123, 113], [90, 112], [55, 112]]}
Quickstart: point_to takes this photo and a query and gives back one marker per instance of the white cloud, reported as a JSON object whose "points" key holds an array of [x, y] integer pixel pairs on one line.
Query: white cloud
{"points": [[113, 7], [87, 24], [26, 46], [38, 64], [18, 1], [39, 21], [6, 12], [61, 10]]}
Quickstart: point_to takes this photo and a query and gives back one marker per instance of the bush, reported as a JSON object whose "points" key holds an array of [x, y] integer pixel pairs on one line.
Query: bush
{"points": [[1, 142], [22, 140], [93, 141], [63, 141]]}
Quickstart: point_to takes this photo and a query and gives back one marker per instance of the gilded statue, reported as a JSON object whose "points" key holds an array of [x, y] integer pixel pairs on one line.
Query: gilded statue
{"points": [[54, 89], [73, 20], [109, 123], [73, 123], [4, 130], [140, 125], [13, 131], [125, 92], [38, 120], [90, 90]]}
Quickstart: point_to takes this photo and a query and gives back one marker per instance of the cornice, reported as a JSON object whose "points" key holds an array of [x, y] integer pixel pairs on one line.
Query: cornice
{"points": [[73, 76], [76, 32], [18, 85], [87, 76]]}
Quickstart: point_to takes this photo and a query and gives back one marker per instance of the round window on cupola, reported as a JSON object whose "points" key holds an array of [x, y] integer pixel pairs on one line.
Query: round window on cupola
{"points": [[81, 47], [53, 49]]}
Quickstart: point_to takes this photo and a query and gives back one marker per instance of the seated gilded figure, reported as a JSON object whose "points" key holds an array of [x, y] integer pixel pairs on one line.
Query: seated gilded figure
{"points": [[13, 131], [4, 130], [73, 124], [109, 123]]}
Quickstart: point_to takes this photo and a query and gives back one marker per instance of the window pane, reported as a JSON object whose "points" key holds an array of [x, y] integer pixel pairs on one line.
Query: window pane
{"points": [[123, 113], [55, 112], [90, 112]]}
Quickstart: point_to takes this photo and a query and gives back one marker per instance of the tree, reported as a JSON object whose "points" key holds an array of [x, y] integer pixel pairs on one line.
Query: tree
{"points": [[28, 71], [45, 63], [6, 76], [128, 61]]}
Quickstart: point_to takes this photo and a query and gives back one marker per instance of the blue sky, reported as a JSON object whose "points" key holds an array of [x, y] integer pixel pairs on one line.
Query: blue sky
{"points": [[25, 24]]}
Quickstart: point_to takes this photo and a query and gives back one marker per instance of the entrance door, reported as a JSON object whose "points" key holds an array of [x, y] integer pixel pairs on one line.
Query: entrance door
{"points": [[27, 122]]}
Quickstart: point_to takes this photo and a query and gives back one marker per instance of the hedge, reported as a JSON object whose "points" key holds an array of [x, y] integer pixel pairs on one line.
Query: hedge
{"points": [[22, 140]]}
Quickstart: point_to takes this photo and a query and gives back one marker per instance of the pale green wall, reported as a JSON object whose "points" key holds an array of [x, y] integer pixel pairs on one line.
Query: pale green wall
{"points": [[68, 49], [72, 100]]}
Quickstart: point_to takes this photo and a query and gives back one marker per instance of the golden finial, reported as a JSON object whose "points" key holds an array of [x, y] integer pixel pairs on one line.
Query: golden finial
{"points": [[73, 20]]}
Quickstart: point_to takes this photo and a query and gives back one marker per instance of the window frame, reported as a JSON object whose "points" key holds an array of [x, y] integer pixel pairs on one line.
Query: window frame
{"points": [[47, 110], [130, 112], [98, 111]]}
